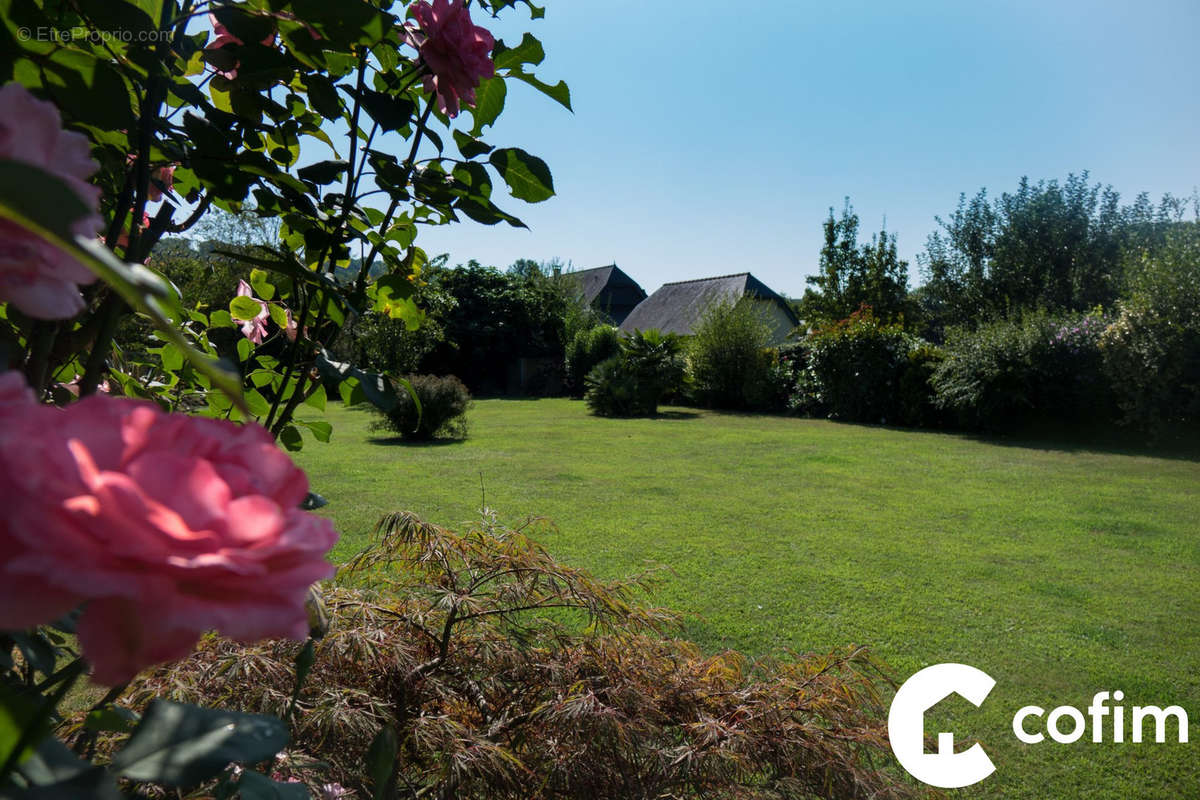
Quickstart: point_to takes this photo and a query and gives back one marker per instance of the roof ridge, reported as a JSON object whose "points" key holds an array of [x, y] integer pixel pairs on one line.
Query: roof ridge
{"points": [[713, 278]]}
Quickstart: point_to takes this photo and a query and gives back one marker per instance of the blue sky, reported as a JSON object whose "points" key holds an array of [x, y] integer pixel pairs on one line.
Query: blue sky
{"points": [[712, 137]]}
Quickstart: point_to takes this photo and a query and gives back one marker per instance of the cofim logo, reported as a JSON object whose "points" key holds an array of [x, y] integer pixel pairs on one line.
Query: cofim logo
{"points": [[947, 769]]}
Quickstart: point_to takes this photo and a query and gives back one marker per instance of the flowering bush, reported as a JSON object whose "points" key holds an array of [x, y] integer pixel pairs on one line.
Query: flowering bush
{"points": [[455, 50], [851, 370], [1151, 351], [35, 276], [1010, 374], [182, 525], [133, 528]]}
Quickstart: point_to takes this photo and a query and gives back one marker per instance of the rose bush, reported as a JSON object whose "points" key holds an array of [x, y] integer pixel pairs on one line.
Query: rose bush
{"points": [[38, 278], [456, 51], [165, 526], [131, 525]]}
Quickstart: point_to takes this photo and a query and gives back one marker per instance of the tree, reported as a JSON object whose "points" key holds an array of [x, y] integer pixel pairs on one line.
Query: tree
{"points": [[852, 275], [1052, 246]]}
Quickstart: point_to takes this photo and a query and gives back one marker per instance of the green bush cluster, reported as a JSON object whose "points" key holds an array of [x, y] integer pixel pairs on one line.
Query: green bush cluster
{"points": [[853, 370], [1015, 373], [588, 348], [728, 360], [648, 368], [1151, 351], [440, 414]]}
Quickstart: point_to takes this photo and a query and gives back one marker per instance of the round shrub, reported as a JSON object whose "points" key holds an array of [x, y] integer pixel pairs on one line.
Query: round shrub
{"points": [[442, 413], [729, 364], [587, 349], [852, 370], [633, 383]]}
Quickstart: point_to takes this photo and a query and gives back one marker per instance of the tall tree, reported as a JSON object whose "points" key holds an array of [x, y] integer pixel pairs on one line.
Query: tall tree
{"points": [[1059, 247], [851, 275]]}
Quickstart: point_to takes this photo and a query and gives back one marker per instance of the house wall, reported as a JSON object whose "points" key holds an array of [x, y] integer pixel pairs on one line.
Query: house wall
{"points": [[777, 320]]}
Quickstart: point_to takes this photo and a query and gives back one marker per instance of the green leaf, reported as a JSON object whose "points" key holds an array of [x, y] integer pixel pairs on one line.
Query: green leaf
{"points": [[321, 430], [244, 308], [290, 438], [261, 286], [527, 176], [374, 387], [317, 398], [381, 760], [53, 772], [19, 710], [278, 315], [392, 112], [559, 91], [41, 203], [181, 745], [489, 102], [323, 172], [220, 319], [529, 51], [255, 786], [257, 404], [172, 358], [323, 96], [469, 146]]}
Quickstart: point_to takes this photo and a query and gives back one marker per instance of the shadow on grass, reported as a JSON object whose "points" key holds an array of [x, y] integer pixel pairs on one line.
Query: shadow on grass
{"points": [[400, 441], [1179, 447], [676, 415]]}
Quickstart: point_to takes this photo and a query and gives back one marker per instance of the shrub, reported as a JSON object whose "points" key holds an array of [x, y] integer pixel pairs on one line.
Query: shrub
{"points": [[917, 406], [586, 349], [729, 364], [437, 637], [633, 383], [851, 370], [1151, 352], [1013, 373], [442, 413]]}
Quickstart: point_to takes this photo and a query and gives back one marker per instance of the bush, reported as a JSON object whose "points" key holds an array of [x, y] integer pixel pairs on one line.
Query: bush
{"points": [[430, 635], [633, 383], [1151, 352], [729, 364], [586, 349], [851, 370], [917, 406], [1010, 374], [442, 414]]}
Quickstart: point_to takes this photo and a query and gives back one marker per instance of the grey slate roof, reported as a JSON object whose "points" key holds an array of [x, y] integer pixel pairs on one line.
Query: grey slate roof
{"points": [[676, 307], [609, 290]]}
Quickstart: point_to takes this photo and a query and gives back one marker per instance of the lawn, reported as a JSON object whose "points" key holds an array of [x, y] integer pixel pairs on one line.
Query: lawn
{"points": [[1059, 571]]}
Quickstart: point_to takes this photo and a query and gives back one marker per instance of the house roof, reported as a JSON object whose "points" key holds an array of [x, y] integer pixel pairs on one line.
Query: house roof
{"points": [[677, 307], [609, 289], [595, 280]]}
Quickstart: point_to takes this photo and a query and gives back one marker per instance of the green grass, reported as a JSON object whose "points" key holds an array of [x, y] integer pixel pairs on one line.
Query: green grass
{"points": [[1060, 572]]}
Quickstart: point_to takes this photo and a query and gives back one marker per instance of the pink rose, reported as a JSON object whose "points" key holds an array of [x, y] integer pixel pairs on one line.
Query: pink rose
{"points": [[36, 277], [165, 526], [161, 179], [254, 329], [223, 38], [455, 50], [123, 238]]}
